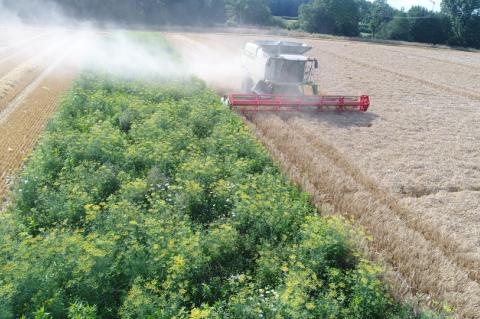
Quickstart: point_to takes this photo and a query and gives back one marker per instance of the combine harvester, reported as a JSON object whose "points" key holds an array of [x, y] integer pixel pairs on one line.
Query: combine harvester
{"points": [[279, 78]]}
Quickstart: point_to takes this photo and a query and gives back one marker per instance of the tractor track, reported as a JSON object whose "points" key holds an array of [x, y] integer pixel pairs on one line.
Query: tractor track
{"points": [[473, 68], [409, 51], [441, 87], [408, 245]]}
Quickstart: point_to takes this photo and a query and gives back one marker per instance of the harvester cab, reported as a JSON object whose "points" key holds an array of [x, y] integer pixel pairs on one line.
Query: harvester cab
{"points": [[277, 67], [279, 77]]}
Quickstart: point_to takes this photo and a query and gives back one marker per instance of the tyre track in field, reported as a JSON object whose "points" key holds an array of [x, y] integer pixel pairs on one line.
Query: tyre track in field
{"points": [[441, 87], [22, 121], [400, 239], [471, 67], [409, 51]]}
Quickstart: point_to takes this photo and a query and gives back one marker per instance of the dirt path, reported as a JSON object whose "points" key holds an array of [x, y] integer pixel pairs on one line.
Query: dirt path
{"points": [[407, 170]]}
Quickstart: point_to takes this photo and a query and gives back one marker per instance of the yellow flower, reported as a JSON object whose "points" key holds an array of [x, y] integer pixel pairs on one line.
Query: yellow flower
{"points": [[179, 261], [199, 314], [241, 278], [447, 308]]}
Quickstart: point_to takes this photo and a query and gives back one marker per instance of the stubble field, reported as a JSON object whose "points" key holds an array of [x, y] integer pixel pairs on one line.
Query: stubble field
{"points": [[407, 171]]}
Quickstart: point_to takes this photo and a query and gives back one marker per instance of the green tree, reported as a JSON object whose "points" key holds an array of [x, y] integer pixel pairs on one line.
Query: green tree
{"points": [[364, 9], [149, 12], [427, 26], [396, 29], [254, 12], [472, 37], [287, 8], [465, 21], [338, 17], [380, 13]]}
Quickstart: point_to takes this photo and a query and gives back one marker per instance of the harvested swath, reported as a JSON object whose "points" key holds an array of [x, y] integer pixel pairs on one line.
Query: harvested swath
{"points": [[458, 212], [469, 91]]}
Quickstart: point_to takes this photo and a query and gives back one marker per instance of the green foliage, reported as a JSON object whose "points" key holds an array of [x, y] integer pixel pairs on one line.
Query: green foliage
{"points": [[280, 22], [465, 21], [396, 29], [79, 310], [256, 12], [364, 10], [380, 14], [180, 213], [286, 8], [340, 17], [427, 26]]}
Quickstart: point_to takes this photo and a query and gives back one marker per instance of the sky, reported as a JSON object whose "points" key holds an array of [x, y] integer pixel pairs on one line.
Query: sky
{"points": [[435, 5]]}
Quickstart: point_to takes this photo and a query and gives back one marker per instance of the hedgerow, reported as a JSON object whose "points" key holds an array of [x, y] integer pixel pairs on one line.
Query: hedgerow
{"points": [[150, 199]]}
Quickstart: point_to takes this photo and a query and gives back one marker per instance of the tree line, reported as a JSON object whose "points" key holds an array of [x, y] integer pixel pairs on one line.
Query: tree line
{"points": [[458, 22]]}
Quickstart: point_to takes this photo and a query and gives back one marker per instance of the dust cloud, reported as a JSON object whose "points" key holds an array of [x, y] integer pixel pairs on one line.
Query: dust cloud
{"points": [[217, 64], [33, 30]]}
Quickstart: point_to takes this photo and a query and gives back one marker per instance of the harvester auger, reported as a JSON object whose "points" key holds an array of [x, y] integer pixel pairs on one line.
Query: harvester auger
{"points": [[279, 78]]}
